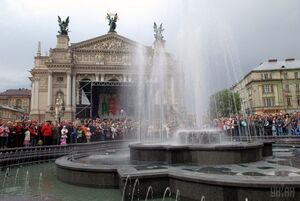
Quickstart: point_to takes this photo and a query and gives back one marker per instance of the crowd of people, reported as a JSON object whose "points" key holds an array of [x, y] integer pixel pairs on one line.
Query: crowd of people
{"points": [[260, 125], [32, 133]]}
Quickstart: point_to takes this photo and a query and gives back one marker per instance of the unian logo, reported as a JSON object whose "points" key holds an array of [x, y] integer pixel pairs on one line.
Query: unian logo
{"points": [[282, 192]]}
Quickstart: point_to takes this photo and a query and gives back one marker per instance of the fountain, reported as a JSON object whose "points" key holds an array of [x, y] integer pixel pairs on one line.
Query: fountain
{"points": [[193, 163], [199, 162], [161, 105]]}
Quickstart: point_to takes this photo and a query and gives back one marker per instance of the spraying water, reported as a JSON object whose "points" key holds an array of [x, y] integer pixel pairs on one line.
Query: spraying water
{"points": [[136, 185], [40, 181], [177, 93], [5, 177], [168, 190], [16, 176], [177, 197], [128, 178], [149, 191], [26, 183]]}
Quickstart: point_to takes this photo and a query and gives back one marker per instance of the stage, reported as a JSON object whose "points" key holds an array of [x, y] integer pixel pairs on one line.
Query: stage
{"points": [[106, 99]]}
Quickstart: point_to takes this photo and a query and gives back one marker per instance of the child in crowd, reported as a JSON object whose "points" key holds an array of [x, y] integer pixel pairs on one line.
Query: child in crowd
{"points": [[27, 138], [88, 135], [63, 137]]}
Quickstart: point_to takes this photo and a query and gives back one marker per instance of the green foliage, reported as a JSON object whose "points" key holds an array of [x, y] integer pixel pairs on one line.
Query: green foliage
{"points": [[224, 103]]}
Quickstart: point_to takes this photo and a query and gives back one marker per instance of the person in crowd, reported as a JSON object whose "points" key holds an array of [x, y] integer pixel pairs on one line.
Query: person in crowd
{"points": [[47, 133], [287, 127], [64, 136], [33, 133], [73, 135], [27, 138], [4, 132], [298, 128], [56, 130], [113, 129], [11, 136], [18, 132], [79, 134], [100, 129], [279, 126], [70, 128], [88, 135]]}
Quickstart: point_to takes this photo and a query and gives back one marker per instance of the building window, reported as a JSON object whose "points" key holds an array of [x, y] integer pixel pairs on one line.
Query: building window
{"points": [[266, 76], [268, 102], [288, 101], [297, 87], [285, 75], [18, 103], [268, 88], [60, 79], [298, 100], [287, 88], [249, 91], [296, 75]]}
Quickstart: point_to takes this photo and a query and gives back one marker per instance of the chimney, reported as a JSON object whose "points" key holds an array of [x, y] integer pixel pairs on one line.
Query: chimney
{"points": [[272, 60], [290, 59]]}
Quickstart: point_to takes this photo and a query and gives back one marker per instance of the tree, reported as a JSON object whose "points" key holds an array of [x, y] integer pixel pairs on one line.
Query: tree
{"points": [[224, 103]]}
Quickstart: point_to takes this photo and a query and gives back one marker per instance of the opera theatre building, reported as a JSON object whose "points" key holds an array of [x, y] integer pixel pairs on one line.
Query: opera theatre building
{"points": [[88, 79]]}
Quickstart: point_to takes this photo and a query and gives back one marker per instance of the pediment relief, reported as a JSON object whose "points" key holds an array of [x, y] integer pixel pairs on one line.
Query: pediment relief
{"points": [[106, 43]]}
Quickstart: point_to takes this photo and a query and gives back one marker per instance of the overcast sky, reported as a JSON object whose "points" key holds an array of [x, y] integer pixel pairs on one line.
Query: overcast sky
{"points": [[253, 30]]}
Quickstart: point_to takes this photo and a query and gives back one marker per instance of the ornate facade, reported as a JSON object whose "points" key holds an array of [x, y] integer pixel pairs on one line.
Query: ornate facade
{"points": [[57, 79]]}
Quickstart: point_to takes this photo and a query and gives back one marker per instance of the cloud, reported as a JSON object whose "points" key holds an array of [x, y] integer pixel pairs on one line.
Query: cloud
{"points": [[248, 31], [10, 81]]}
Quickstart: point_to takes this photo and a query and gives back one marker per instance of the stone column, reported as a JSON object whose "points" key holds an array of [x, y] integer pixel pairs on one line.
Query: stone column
{"points": [[69, 88], [97, 77], [74, 91], [36, 97], [102, 78], [124, 78], [32, 106], [49, 90]]}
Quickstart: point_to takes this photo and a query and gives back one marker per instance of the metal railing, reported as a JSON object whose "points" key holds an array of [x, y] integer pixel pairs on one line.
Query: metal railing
{"points": [[27, 155]]}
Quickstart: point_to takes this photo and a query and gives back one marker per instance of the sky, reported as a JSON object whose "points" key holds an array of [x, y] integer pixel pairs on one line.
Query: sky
{"points": [[250, 31]]}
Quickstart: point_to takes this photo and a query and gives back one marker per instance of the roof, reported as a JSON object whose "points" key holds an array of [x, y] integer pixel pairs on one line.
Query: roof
{"points": [[274, 64], [11, 108], [16, 92]]}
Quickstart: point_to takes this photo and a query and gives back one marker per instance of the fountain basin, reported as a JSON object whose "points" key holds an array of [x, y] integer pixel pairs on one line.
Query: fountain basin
{"points": [[204, 154], [233, 182]]}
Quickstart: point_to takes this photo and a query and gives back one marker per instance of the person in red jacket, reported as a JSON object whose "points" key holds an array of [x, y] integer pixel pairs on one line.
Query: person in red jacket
{"points": [[18, 130], [33, 134], [47, 133]]}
